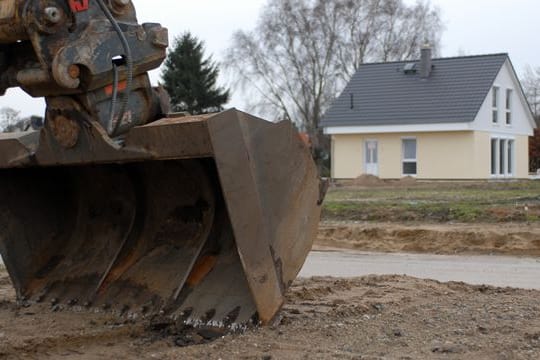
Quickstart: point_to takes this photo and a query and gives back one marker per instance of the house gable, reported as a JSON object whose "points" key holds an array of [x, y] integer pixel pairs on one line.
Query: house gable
{"points": [[522, 121]]}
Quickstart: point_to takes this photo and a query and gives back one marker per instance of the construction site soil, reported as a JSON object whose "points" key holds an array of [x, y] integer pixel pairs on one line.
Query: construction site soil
{"points": [[519, 239], [388, 317]]}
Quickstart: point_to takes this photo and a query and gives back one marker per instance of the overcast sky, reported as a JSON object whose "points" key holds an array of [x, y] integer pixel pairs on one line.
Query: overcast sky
{"points": [[472, 27]]}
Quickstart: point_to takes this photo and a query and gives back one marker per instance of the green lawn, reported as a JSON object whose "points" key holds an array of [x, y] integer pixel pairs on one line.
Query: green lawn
{"points": [[436, 202]]}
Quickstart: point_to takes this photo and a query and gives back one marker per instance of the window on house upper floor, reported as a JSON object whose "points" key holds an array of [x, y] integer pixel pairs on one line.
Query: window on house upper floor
{"points": [[495, 104], [508, 106]]}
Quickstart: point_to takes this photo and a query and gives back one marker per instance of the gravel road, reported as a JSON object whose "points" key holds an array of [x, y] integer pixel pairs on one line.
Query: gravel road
{"points": [[501, 271]]}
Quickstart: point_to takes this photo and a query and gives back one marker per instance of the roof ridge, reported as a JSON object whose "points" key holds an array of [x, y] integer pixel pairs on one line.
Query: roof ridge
{"points": [[473, 56], [440, 58]]}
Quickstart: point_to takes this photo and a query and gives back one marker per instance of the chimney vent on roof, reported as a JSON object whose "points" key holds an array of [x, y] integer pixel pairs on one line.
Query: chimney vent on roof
{"points": [[409, 68], [425, 61]]}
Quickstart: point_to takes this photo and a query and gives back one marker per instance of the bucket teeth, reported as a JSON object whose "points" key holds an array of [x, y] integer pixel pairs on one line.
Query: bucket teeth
{"points": [[223, 290]]}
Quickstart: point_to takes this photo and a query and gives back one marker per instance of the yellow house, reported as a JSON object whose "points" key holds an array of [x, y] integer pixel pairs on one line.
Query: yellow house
{"points": [[448, 118]]}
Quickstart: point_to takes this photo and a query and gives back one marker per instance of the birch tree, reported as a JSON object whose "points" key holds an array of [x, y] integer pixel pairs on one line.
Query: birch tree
{"points": [[302, 52], [531, 85]]}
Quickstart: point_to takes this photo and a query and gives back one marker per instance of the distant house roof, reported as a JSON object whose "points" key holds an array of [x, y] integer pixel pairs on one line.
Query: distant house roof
{"points": [[394, 93]]}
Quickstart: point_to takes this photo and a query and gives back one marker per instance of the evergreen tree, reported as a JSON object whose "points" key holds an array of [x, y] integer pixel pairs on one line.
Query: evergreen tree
{"points": [[190, 79], [534, 149]]}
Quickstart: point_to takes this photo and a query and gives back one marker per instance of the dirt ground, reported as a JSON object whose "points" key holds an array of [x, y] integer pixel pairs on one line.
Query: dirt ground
{"points": [[500, 239], [375, 317], [389, 317]]}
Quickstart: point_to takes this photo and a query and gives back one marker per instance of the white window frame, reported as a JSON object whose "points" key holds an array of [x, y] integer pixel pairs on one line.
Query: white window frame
{"points": [[495, 98], [508, 105], [494, 158], [403, 160], [509, 172]]}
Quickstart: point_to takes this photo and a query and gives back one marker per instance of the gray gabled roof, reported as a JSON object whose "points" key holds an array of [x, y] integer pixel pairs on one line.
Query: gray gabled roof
{"points": [[383, 94]]}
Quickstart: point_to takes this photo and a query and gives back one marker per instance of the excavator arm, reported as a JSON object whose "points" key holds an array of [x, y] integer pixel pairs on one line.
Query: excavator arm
{"points": [[88, 58]]}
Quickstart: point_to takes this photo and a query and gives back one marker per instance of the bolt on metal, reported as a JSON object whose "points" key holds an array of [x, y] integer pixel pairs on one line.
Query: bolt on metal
{"points": [[53, 15]]}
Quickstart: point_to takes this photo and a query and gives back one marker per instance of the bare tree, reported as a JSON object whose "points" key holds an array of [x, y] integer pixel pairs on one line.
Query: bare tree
{"points": [[385, 30], [8, 117], [302, 52], [289, 59], [531, 86]]}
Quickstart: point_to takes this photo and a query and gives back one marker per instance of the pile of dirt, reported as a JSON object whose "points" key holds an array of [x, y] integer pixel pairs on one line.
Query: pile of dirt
{"points": [[507, 239], [407, 181], [372, 317], [365, 180]]}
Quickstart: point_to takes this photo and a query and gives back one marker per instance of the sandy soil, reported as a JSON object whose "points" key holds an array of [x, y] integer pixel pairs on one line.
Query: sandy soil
{"points": [[365, 318], [500, 239]]}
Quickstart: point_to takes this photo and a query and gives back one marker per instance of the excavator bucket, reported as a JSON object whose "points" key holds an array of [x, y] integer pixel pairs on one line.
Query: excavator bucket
{"points": [[206, 219]]}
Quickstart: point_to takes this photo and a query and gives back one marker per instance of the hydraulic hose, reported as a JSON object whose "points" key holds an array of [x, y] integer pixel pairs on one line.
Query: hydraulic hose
{"points": [[129, 64]]}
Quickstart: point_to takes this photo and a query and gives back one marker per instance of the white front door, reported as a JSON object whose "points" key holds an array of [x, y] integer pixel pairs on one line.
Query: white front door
{"points": [[372, 157]]}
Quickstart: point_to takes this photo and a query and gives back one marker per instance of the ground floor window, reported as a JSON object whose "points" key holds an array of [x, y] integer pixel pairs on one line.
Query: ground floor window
{"points": [[409, 161], [502, 157]]}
